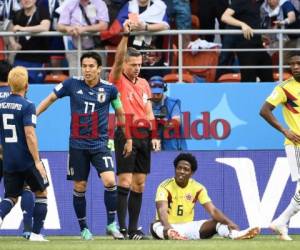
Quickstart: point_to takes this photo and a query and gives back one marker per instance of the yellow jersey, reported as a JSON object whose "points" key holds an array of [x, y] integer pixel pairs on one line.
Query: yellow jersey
{"points": [[181, 201], [288, 95]]}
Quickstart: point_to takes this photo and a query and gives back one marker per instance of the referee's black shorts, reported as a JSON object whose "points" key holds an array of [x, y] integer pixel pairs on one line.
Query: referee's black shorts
{"points": [[140, 159]]}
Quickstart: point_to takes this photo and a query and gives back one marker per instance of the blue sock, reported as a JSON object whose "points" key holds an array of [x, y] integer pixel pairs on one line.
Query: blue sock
{"points": [[5, 206], [27, 206], [110, 200], [39, 214], [79, 204]]}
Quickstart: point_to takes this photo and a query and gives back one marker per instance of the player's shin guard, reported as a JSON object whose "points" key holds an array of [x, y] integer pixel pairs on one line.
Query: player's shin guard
{"points": [[39, 214], [5, 206], [110, 200], [79, 204], [122, 204], [27, 206], [134, 208]]}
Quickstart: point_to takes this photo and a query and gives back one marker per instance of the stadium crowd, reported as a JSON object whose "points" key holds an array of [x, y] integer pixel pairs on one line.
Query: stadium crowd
{"points": [[73, 18]]}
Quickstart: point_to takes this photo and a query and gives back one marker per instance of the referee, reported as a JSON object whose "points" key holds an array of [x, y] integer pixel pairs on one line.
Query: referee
{"points": [[132, 170]]}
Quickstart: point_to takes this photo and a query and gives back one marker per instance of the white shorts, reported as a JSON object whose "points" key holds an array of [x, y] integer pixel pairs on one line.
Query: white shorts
{"points": [[188, 229], [293, 156]]}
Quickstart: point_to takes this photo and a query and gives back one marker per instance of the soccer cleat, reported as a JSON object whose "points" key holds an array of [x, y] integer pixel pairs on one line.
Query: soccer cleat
{"points": [[113, 230], [124, 232], [246, 234], [86, 234], [26, 235], [37, 237], [137, 235], [174, 235], [281, 230]]}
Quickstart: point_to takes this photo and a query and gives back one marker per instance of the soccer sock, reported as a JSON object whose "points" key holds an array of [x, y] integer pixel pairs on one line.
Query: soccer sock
{"points": [[39, 214], [110, 201], [291, 209], [134, 208], [122, 204], [222, 230], [79, 204], [5, 206], [27, 206]]}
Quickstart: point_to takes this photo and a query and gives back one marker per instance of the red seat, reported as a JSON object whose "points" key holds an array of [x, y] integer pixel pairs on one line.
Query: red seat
{"points": [[230, 77], [55, 78]]}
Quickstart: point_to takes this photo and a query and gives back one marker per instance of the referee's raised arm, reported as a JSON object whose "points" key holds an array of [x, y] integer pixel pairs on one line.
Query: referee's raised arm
{"points": [[117, 68]]}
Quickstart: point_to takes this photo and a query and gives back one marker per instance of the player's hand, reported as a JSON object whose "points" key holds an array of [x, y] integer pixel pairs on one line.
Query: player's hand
{"points": [[127, 148], [289, 134], [175, 235], [247, 31], [155, 144], [40, 167]]}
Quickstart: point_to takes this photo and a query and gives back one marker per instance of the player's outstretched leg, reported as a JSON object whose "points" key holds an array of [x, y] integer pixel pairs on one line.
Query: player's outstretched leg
{"points": [[248, 233]]}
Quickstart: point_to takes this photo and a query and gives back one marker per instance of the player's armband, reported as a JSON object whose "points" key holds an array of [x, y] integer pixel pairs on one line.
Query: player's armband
{"points": [[116, 103]]}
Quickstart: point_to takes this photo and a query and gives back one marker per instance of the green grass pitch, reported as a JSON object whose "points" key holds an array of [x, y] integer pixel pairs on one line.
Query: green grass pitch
{"points": [[262, 242]]}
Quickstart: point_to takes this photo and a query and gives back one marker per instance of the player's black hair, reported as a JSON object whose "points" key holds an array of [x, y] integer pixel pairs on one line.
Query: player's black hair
{"points": [[293, 53], [187, 157], [5, 67], [93, 55]]}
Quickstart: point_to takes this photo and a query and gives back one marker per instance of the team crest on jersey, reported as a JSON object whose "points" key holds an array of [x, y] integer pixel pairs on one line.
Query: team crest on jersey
{"points": [[101, 95], [188, 197]]}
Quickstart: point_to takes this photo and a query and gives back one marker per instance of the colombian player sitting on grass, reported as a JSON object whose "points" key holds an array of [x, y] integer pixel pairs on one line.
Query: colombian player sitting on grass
{"points": [[175, 201]]}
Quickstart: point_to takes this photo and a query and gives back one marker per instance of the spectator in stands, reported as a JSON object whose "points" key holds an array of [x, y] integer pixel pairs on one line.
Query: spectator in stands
{"points": [[208, 12], [286, 95], [31, 18], [245, 15], [55, 42], [5, 18], [280, 13], [179, 11], [175, 204], [77, 17], [145, 15], [114, 6], [167, 113]]}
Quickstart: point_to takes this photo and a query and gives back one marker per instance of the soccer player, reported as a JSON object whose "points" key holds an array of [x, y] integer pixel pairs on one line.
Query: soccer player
{"points": [[175, 203], [17, 127], [90, 98], [27, 199], [287, 95], [132, 171]]}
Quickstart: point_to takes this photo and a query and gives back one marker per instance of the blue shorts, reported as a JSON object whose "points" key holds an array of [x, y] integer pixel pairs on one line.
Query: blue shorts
{"points": [[80, 161], [14, 182]]}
